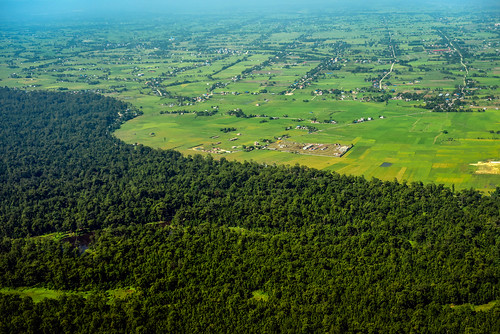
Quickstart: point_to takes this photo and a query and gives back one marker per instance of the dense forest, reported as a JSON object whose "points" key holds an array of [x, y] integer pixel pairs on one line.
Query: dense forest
{"points": [[234, 246]]}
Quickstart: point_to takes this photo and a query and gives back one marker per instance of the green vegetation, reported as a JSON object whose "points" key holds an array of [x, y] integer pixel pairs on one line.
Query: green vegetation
{"points": [[39, 294], [429, 76], [36, 294], [312, 173], [477, 308], [260, 295], [357, 277], [238, 246]]}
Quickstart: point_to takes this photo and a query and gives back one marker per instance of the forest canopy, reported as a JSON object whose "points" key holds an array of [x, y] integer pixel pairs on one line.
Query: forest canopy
{"points": [[213, 245]]}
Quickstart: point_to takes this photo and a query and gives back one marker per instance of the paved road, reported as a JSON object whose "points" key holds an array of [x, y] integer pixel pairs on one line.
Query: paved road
{"points": [[392, 64], [461, 61]]}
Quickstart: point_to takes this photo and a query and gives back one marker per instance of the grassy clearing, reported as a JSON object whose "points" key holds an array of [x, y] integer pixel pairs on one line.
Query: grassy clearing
{"points": [[238, 229], [39, 294], [56, 235], [476, 308], [120, 293], [260, 295]]}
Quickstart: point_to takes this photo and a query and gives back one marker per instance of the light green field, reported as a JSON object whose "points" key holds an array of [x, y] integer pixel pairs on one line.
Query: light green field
{"points": [[252, 63], [411, 139]]}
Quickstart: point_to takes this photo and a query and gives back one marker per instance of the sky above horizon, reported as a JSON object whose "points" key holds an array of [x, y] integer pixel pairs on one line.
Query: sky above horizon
{"points": [[32, 9]]}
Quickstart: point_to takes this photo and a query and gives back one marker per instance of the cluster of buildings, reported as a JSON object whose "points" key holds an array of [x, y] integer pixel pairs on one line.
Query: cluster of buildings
{"points": [[362, 119]]}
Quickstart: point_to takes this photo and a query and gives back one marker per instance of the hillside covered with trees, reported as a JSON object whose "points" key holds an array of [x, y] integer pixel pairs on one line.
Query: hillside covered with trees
{"points": [[233, 246]]}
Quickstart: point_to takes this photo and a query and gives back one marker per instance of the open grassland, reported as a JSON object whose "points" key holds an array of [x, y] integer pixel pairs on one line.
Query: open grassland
{"points": [[309, 80]]}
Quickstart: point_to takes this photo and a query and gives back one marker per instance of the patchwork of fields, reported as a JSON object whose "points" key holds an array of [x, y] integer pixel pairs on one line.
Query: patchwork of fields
{"points": [[373, 81], [410, 139]]}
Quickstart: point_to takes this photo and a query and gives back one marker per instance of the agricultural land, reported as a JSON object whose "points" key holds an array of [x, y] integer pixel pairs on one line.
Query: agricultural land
{"points": [[414, 96]]}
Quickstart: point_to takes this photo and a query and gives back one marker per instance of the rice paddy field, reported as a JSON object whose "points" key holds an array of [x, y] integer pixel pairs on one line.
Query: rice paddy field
{"points": [[227, 87]]}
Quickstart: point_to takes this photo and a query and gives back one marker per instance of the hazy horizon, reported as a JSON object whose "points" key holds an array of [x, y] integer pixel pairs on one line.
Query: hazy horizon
{"points": [[25, 10]]}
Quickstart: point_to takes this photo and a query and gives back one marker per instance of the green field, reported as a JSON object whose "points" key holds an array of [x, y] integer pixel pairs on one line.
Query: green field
{"points": [[411, 139], [304, 72]]}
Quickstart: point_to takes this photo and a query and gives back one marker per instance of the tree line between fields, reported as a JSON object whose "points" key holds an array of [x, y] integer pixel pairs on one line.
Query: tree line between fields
{"points": [[245, 247]]}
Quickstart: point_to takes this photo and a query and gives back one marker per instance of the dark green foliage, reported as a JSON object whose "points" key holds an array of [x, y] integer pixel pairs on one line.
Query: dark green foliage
{"points": [[318, 278], [63, 170], [334, 253], [226, 130]]}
